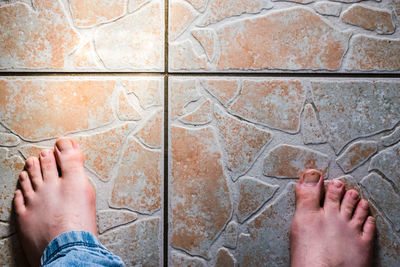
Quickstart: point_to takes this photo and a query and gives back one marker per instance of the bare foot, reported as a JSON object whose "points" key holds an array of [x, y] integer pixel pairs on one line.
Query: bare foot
{"points": [[48, 204], [340, 233]]}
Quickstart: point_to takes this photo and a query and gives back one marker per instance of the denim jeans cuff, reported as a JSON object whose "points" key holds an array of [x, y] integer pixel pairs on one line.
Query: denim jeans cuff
{"points": [[69, 239]]}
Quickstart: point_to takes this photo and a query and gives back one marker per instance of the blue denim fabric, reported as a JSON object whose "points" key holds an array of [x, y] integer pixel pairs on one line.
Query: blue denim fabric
{"points": [[78, 248]]}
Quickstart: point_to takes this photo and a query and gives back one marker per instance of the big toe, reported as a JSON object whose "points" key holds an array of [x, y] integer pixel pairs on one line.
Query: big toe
{"points": [[309, 190], [69, 157]]}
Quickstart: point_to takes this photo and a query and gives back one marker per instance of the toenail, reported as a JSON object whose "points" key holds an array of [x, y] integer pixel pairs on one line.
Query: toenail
{"points": [[354, 195], [337, 183], [29, 162], [371, 219], [311, 178], [44, 153], [64, 144], [365, 204]]}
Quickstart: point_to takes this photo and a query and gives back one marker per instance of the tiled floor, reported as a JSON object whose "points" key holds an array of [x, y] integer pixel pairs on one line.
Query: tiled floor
{"points": [[255, 91]]}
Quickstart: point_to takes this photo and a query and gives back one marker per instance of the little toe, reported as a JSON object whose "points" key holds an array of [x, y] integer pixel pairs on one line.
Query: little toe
{"points": [[68, 156], [26, 185], [32, 165], [19, 203], [369, 229], [48, 165], [349, 203], [309, 190], [333, 196], [360, 214]]}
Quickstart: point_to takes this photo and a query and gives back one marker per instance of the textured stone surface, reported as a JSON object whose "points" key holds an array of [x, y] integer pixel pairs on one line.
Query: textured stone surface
{"points": [[10, 167], [223, 90], [373, 54], [182, 92], [282, 37], [31, 150], [86, 13], [201, 115], [136, 40], [351, 109], [148, 90], [388, 162], [101, 150], [231, 235], [181, 15], [137, 243], [151, 133], [392, 138], [220, 9], [253, 194], [274, 103], [84, 57], [7, 139], [356, 154], [286, 161], [133, 5], [125, 110], [6, 229], [178, 260], [183, 57], [118, 117], [224, 258], [369, 19], [242, 141], [89, 109], [198, 4], [108, 219], [38, 38], [207, 39], [139, 179], [11, 252], [388, 243], [328, 8], [85, 109], [268, 237], [385, 197], [311, 130], [200, 200]]}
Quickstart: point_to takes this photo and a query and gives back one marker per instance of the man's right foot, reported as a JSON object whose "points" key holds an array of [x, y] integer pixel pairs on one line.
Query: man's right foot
{"points": [[340, 233], [47, 204]]}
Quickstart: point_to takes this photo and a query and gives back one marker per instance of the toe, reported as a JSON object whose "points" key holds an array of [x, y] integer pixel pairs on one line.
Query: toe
{"points": [[333, 197], [360, 214], [309, 190], [68, 156], [19, 203], [26, 185], [48, 165], [349, 203], [33, 167], [369, 229]]}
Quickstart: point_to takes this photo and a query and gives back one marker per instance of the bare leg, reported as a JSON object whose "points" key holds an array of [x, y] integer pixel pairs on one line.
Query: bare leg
{"points": [[48, 204], [340, 233]]}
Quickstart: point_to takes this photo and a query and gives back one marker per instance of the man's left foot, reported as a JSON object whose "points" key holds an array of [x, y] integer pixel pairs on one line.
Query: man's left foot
{"points": [[47, 204]]}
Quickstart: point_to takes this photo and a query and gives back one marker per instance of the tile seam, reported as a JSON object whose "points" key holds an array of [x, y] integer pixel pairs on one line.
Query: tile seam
{"points": [[210, 74]]}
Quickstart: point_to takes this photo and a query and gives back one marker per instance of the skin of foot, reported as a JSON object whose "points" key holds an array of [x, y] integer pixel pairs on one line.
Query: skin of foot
{"points": [[55, 196], [332, 228]]}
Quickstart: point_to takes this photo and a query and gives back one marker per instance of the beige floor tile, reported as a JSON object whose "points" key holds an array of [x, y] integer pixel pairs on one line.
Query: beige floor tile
{"points": [[231, 179]]}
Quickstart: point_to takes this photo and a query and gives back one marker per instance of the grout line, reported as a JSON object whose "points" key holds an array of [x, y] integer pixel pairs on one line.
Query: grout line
{"points": [[166, 165], [205, 74], [166, 178]]}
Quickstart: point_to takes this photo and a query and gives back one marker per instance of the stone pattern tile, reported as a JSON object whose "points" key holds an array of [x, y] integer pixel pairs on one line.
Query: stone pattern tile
{"points": [[284, 36], [232, 176], [121, 139], [85, 36]]}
